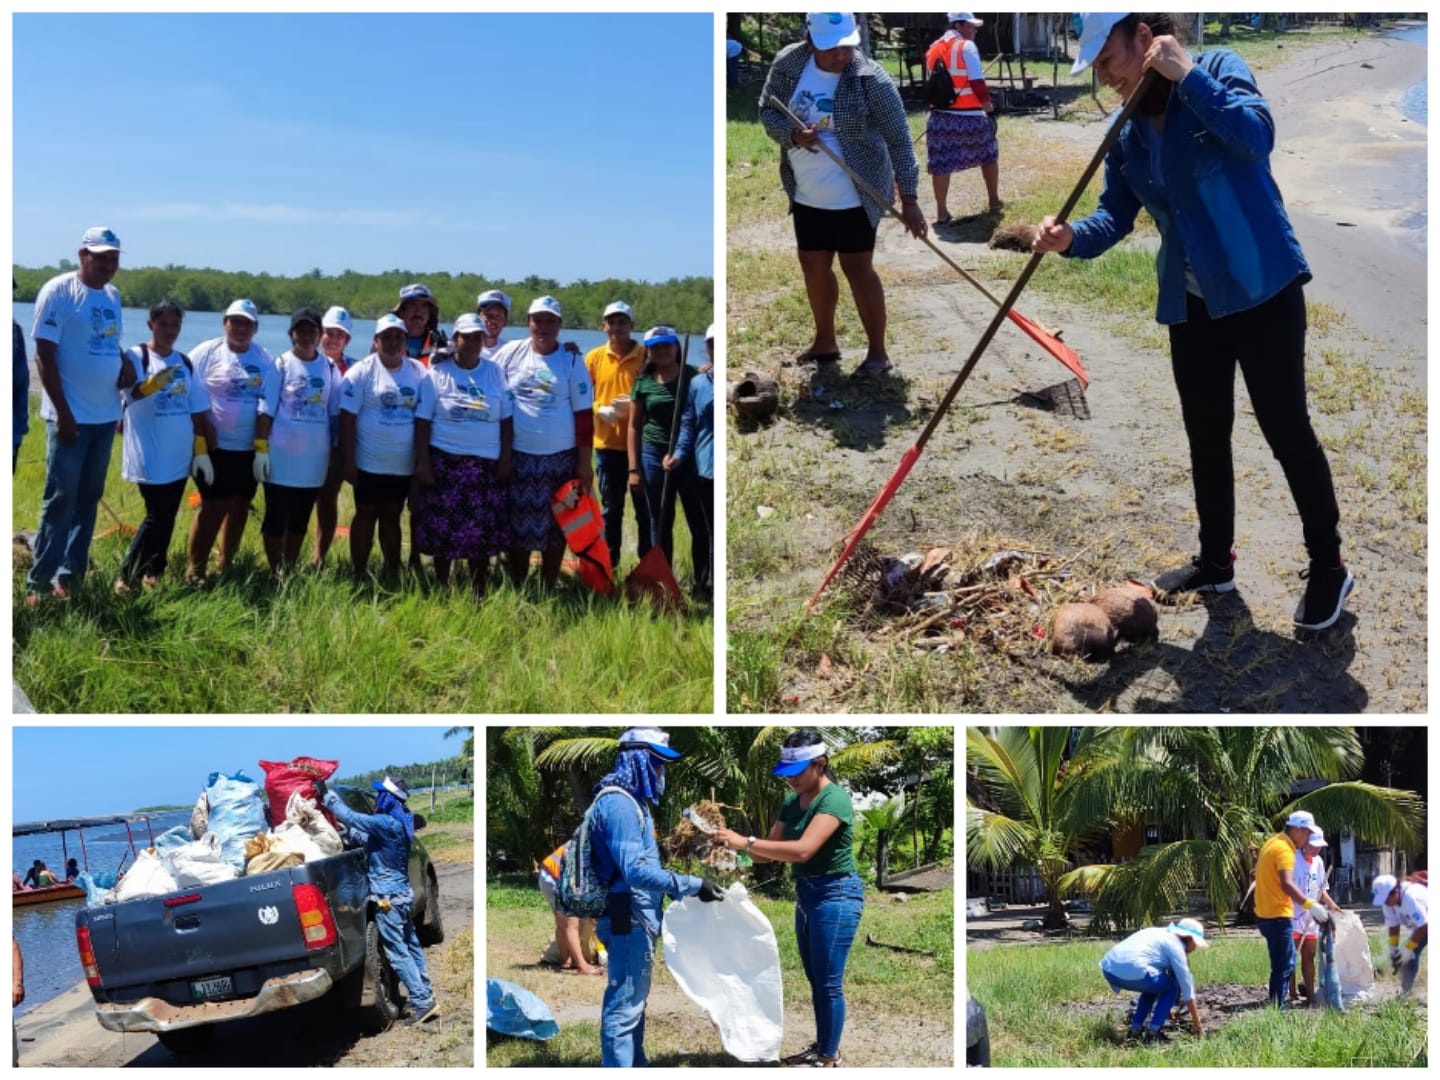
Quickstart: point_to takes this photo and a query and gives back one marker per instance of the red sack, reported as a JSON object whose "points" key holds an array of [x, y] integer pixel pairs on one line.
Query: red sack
{"points": [[284, 777]]}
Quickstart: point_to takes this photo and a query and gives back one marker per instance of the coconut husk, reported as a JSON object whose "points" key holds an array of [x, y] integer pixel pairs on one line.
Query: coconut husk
{"points": [[1130, 610], [1081, 630], [1017, 237]]}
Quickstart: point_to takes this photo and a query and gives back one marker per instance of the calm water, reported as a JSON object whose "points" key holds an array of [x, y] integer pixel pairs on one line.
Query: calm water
{"points": [[46, 932], [1416, 103]]}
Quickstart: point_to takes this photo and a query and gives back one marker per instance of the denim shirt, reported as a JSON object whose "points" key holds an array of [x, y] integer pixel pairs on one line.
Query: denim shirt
{"points": [[869, 122], [387, 849], [623, 847], [697, 425], [1214, 202], [1149, 952]]}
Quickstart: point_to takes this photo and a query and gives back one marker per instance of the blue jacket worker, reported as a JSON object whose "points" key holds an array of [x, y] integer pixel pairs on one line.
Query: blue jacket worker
{"points": [[1155, 962], [387, 834], [626, 855]]}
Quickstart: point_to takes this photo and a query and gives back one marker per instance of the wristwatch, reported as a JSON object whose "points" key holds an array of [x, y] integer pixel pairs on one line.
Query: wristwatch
{"points": [[751, 844]]}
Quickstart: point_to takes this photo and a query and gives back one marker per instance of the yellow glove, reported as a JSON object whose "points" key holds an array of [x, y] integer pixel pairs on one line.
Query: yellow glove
{"points": [[157, 382]]}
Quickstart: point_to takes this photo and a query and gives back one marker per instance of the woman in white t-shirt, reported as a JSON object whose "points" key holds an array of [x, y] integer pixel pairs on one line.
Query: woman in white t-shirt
{"points": [[301, 402], [167, 418], [378, 402], [554, 435], [335, 333], [464, 433], [1308, 876], [493, 307]]}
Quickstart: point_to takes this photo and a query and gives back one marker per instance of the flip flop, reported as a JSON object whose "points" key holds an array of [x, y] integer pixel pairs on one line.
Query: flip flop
{"points": [[811, 358], [872, 368]]}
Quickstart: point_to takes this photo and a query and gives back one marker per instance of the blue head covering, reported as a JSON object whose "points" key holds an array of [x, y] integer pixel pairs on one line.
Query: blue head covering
{"points": [[388, 803], [639, 772]]}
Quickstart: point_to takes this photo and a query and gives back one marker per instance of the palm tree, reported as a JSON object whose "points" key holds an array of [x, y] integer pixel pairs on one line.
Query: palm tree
{"points": [[1223, 791], [1044, 802]]}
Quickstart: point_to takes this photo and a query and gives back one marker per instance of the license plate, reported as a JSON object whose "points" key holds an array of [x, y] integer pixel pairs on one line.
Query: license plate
{"points": [[209, 989]]}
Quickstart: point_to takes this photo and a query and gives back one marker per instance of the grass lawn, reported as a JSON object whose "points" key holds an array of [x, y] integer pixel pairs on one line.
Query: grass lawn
{"points": [[1029, 993], [318, 643]]}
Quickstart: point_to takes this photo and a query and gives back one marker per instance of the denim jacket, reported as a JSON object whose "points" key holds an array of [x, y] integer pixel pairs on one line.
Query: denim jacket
{"points": [[1215, 202], [869, 123], [387, 849], [697, 425], [623, 847]]}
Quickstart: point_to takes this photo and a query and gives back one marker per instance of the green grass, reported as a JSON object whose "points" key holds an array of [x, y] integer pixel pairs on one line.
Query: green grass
{"points": [[318, 643], [1026, 990]]}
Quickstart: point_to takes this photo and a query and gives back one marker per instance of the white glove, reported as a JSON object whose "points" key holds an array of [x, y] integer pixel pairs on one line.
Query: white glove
{"points": [[607, 413], [262, 460], [1319, 913], [202, 469]]}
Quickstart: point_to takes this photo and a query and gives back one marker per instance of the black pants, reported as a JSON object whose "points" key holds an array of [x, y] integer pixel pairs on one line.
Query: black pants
{"points": [[705, 574], [612, 470], [146, 557], [1268, 341]]}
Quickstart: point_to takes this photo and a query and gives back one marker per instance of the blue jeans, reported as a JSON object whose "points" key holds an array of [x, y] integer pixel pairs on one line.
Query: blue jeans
{"points": [[662, 518], [407, 959], [1158, 991], [1276, 933], [74, 485], [827, 914], [612, 471], [628, 964]]}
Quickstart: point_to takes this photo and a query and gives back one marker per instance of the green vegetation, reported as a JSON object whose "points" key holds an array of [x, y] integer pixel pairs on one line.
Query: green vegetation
{"points": [[163, 809], [686, 303], [1029, 992]]}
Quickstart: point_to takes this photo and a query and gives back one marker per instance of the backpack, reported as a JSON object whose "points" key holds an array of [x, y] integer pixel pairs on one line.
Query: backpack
{"points": [[145, 359], [578, 891], [939, 89]]}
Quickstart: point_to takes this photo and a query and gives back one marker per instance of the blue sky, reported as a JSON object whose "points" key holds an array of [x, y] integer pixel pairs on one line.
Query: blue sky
{"points": [[75, 772], [565, 146]]}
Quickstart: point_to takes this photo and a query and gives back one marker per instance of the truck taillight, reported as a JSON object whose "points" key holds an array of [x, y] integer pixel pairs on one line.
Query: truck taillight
{"points": [[87, 955], [316, 921]]}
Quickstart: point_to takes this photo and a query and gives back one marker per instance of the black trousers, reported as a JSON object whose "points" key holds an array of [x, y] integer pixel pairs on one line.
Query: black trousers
{"points": [[146, 557], [1268, 342]]}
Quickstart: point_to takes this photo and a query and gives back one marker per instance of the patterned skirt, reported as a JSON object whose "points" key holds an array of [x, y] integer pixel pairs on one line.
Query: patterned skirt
{"points": [[466, 515], [532, 487], [958, 141]]}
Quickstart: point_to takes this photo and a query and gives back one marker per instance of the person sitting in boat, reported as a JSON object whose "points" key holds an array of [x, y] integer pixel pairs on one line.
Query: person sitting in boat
{"points": [[39, 876], [72, 870], [20, 886]]}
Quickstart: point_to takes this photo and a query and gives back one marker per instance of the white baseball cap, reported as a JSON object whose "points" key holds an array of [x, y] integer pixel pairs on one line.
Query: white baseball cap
{"points": [[619, 307], [1095, 30], [389, 321], [469, 324], [1317, 838], [964, 16], [1191, 928], [831, 29], [1301, 819], [244, 309], [493, 296], [543, 304], [337, 318], [710, 332], [1381, 888], [99, 238]]}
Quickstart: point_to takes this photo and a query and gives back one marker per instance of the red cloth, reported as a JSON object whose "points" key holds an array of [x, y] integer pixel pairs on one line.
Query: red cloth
{"points": [[282, 778]]}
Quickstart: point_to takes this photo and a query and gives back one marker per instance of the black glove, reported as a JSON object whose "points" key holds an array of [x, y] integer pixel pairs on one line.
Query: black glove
{"points": [[320, 791], [710, 891]]}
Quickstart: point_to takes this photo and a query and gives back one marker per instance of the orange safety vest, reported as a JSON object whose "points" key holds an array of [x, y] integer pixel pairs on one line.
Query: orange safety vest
{"points": [[949, 51], [577, 512], [552, 862]]}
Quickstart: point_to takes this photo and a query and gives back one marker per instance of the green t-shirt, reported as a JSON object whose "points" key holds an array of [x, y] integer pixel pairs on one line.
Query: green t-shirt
{"points": [[658, 400], [837, 854]]}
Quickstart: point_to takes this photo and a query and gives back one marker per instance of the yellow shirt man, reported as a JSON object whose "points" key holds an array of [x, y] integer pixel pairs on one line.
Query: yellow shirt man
{"points": [[612, 376], [1276, 857]]}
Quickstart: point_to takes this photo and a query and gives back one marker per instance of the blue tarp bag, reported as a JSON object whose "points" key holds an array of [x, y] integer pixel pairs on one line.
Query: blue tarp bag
{"points": [[237, 813], [170, 839], [97, 888], [513, 1010]]}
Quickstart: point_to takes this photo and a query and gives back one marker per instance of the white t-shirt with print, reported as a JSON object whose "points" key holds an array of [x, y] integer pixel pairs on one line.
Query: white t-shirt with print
{"points": [[384, 404], [1309, 877], [301, 400], [465, 408], [159, 436], [819, 182], [548, 391], [236, 383], [84, 325]]}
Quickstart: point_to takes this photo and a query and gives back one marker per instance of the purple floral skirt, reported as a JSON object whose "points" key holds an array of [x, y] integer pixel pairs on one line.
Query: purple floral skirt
{"points": [[958, 141], [466, 515]]}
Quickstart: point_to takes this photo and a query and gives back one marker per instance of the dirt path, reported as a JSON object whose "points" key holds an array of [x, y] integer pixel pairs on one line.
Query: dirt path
{"points": [[1117, 487], [64, 1031]]}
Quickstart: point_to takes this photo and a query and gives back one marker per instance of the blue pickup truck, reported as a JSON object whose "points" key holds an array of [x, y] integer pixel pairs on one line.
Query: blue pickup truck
{"points": [[177, 965]]}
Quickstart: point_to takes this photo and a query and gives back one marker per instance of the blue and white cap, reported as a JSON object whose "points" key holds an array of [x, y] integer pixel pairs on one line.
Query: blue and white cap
{"points": [[1095, 27], [1191, 928], [710, 332], [1301, 819], [658, 335], [619, 307], [389, 321], [416, 291], [99, 238], [337, 318], [796, 759], [469, 324], [1317, 838], [546, 305], [652, 739], [493, 296], [831, 29], [244, 309], [1381, 888], [953, 17]]}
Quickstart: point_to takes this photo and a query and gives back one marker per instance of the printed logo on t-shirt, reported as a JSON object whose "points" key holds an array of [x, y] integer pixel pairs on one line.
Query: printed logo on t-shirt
{"points": [[817, 109], [102, 329], [175, 398], [306, 399], [398, 406]]}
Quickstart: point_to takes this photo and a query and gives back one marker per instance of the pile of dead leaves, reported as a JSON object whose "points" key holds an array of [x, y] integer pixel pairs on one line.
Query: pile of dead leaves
{"points": [[695, 843]]}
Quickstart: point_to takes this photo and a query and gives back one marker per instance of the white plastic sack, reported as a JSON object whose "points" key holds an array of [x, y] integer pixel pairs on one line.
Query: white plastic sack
{"points": [[1352, 956], [294, 838], [725, 959], [148, 877], [304, 813], [199, 863]]}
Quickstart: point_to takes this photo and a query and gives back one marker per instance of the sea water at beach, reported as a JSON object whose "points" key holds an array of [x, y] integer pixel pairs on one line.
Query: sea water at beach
{"points": [[1416, 103], [46, 932]]}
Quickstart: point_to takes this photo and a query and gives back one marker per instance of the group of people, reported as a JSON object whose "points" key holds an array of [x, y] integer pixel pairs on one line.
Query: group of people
{"points": [[1292, 902], [40, 876], [1195, 156], [814, 833], [475, 436]]}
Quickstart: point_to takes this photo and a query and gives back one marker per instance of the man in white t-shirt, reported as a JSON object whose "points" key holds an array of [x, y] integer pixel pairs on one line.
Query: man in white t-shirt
{"points": [[378, 403], [77, 353], [1404, 903], [1308, 875], [237, 373]]}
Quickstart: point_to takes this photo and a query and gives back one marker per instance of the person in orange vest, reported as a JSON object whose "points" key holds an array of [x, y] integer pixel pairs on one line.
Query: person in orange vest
{"points": [[567, 927], [962, 136]]}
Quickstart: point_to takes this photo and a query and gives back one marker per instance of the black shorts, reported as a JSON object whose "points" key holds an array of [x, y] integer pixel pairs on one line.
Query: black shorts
{"points": [[234, 476], [843, 231], [381, 489], [287, 510]]}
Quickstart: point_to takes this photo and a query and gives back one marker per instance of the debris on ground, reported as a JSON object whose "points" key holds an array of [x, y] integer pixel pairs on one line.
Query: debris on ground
{"points": [[756, 396], [693, 839], [1017, 237]]}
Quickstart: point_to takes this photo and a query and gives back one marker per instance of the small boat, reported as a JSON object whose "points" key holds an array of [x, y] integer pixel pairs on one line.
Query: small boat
{"points": [[69, 891], [48, 894]]}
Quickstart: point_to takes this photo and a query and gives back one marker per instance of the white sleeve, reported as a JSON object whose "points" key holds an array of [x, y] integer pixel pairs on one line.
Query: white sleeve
{"points": [[352, 393], [426, 396], [269, 403], [974, 69], [582, 393], [53, 307]]}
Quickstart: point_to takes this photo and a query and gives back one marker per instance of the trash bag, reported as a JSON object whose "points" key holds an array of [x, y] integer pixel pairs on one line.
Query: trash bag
{"points": [[200, 817], [513, 1010], [267, 852], [284, 777], [303, 811], [148, 877], [97, 894], [1352, 956], [726, 960], [237, 812], [199, 863], [171, 839]]}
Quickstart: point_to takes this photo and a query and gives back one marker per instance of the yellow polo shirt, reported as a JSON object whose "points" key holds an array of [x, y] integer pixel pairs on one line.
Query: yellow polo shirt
{"points": [[1271, 901], [612, 376]]}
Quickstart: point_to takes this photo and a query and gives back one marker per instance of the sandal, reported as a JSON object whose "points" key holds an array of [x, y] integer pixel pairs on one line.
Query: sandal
{"points": [[872, 368], [811, 358]]}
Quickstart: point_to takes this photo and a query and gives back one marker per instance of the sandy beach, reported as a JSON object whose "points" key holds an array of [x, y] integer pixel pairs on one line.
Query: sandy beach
{"points": [[1116, 487]]}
